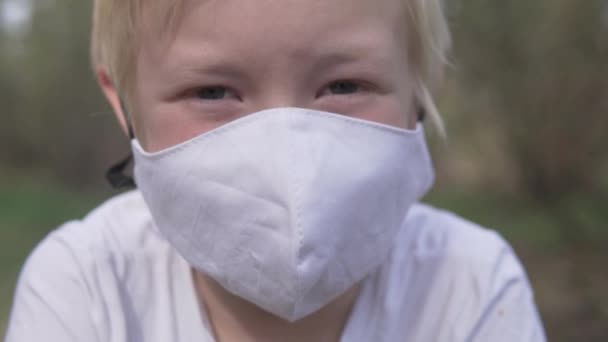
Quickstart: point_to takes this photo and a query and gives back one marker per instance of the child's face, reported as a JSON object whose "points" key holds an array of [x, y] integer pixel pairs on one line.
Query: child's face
{"points": [[229, 58]]}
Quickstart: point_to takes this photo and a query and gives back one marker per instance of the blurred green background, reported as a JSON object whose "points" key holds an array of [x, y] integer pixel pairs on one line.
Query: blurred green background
{"points": [[526, 105]]}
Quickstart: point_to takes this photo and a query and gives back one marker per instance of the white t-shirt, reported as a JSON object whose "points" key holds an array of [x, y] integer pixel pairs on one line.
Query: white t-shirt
{"points": [[113, 278]]}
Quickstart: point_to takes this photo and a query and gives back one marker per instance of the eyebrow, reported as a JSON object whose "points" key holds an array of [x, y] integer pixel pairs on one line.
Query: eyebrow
{"points": [[191, 67], [331, 59], [220, 66]]}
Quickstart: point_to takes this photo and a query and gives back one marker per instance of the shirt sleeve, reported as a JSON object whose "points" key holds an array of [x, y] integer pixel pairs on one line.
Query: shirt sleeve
{"points": [[510, 314], [51, 301]]}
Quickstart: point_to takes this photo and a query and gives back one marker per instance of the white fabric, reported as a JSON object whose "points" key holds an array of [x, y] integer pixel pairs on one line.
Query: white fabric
{"points": [[287, 208], [112, 278]]}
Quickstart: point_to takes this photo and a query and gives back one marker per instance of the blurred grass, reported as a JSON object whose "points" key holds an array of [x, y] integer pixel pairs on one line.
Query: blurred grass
{"points": [[515, 219], [578, 219], [31, 207]]}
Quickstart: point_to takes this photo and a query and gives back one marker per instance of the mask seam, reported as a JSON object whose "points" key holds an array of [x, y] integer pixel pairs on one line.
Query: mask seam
{"points": [[251, 120], [298, 217]]}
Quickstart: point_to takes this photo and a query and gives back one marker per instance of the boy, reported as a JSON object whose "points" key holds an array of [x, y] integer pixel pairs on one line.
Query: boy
{"points": [[279, 155]]}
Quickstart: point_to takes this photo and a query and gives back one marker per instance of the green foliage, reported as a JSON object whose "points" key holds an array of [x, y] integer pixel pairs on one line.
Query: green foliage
{"points": [[575, 221]]}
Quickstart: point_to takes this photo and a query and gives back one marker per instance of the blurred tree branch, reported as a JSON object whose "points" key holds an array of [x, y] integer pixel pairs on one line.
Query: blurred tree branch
{"points": [[545, 65]]}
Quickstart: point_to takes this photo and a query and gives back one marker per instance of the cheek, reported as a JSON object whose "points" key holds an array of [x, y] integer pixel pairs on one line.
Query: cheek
{"points": [[392, 118], [395, 112], [163, 127]]}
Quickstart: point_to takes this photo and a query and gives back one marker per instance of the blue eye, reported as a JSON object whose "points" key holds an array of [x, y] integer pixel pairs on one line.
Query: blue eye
{"points": [[343, 88], [212, 93]]}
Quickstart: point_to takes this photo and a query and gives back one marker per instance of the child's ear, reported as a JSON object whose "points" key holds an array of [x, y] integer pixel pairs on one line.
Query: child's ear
{"points": [[111, 94]]}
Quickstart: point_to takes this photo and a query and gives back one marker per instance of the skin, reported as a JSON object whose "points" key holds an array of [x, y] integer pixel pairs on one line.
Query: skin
{"points": [[229, 58]]}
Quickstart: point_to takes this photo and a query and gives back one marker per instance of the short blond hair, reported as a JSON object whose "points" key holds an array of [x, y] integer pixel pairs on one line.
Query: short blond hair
{"points": [[117, 27]]}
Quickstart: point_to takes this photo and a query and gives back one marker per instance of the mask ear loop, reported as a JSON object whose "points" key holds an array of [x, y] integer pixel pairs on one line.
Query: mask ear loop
{"points": [[421, 114], [116, 175]]}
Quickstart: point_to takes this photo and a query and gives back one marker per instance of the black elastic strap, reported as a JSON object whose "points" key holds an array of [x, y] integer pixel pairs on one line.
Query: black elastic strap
{"points": [[116, 175], [421, 114]]}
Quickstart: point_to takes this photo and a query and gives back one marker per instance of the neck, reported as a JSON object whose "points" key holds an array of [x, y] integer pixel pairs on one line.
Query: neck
{"points": [[235, 319]]}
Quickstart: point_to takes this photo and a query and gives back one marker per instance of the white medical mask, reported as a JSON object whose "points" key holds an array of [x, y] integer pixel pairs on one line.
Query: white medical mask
{"points": [[287, 208]]}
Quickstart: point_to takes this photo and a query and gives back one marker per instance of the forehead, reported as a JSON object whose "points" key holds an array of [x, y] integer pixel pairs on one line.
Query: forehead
{"points": [[297, 27]]}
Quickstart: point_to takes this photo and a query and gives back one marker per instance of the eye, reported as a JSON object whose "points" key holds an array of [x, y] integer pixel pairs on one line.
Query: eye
{"points": [[342, 87], [214, 93]]}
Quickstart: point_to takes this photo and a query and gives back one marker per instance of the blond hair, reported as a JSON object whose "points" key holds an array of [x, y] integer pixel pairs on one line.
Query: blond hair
{"points": [[117, 26]]}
